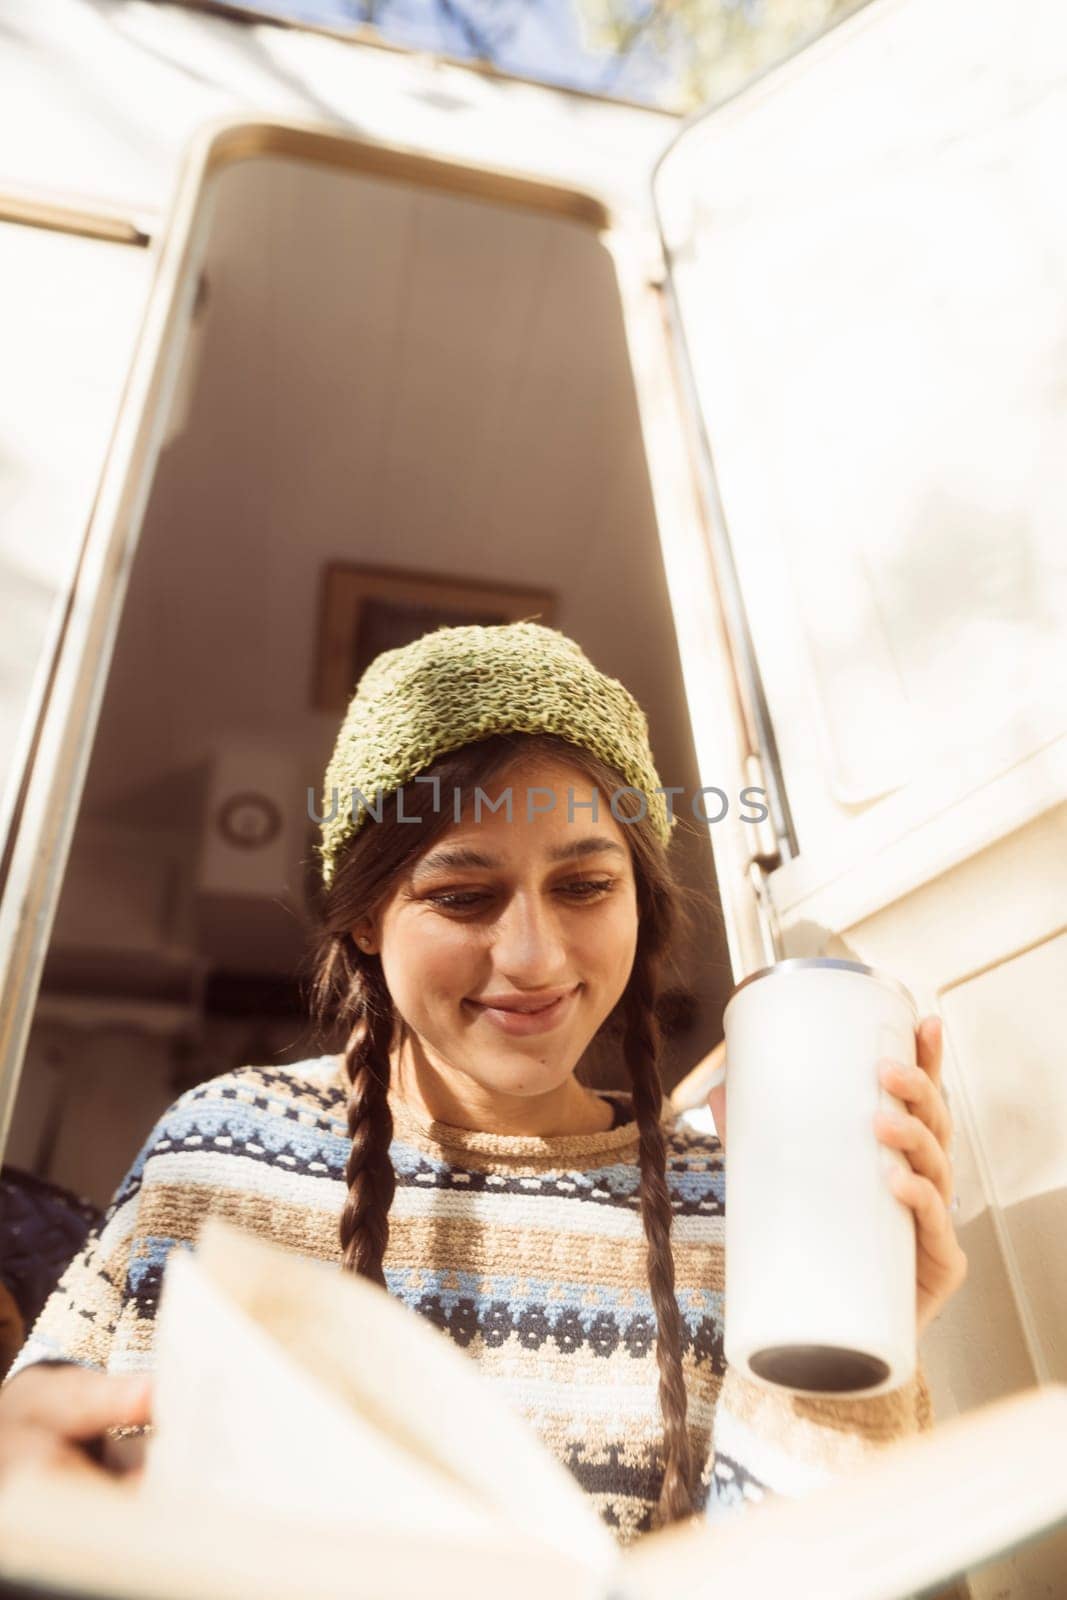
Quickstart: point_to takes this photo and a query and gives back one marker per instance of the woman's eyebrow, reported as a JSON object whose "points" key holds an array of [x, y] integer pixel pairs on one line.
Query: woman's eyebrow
{"points": [[464, 856], [457, 856], [591, 845]]}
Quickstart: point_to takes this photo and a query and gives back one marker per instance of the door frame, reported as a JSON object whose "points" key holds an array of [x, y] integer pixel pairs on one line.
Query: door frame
{"points": [[59, 757]]}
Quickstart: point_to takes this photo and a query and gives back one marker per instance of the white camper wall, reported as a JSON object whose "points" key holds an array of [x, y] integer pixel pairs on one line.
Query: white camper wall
{"points": [[69, 315], [100, 103], [867, 251]]}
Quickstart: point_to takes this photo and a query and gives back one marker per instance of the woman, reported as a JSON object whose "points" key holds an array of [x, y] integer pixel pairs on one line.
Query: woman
{"points": [[497, 897]]}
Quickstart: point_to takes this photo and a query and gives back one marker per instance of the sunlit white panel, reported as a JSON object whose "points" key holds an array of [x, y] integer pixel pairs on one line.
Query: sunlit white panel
{"points": [[870, 252], [70, 309]]}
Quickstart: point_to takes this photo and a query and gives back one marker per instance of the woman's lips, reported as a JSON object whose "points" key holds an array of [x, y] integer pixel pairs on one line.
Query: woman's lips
{"points": [[521, 1023]]}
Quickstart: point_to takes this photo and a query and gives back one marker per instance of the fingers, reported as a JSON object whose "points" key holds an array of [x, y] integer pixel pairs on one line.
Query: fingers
{"points": [[922, 1097], [38, 1447], [925, 1134], [941, 1263], [924, 1151], [76, 1403], [929, 1048], [48, 1413]]}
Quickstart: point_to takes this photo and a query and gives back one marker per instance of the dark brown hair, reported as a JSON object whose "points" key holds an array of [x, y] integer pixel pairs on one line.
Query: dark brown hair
{"points": [[349, 992]]}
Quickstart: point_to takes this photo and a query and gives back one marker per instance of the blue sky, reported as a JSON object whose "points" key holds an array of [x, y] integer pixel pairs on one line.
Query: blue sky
{"points": [[544, 39]]}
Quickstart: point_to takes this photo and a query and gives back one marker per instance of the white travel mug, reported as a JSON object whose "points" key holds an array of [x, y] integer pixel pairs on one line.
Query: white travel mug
{"points": [[820, 1254]]}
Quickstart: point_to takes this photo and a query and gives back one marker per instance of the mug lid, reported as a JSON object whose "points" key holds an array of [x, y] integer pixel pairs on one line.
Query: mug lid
{"points": [[793, 963]]}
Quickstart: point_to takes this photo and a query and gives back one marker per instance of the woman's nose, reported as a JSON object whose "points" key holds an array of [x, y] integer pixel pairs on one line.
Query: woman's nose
{"points": [[529, 944]]}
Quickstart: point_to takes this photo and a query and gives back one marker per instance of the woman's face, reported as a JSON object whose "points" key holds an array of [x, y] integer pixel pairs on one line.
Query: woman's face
{"points": [[497, 918]]}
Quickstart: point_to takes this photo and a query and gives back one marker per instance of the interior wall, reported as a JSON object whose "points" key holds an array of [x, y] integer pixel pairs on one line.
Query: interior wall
{"points": [[399, 378], [91, 1095]]}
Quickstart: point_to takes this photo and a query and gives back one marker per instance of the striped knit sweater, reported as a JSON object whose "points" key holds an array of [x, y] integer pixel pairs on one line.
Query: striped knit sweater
{"points": [[528, 1252]]}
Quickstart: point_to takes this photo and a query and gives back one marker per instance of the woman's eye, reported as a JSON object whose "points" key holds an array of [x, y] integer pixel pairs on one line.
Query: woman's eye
{"points": [[477, 900], [455, 902], [589, 888]]}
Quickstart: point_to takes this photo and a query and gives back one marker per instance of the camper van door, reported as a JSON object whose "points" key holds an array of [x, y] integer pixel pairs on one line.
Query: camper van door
{"points": [[865, 258], [75, 286]]}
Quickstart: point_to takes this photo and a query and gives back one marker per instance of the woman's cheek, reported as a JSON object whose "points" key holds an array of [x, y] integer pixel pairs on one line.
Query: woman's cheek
{"points": [[619, 936], [429, 968]]}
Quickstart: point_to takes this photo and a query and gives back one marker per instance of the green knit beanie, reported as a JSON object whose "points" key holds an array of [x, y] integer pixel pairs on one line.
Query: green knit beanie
{"points": [[458, 685]]}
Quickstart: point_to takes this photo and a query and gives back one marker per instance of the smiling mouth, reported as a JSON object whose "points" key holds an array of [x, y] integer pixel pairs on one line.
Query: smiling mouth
{"points": [[519, 1018], [525, 1008]]}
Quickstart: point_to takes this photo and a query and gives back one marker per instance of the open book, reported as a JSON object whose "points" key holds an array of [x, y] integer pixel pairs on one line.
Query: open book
{"points": [[313, 1437]]}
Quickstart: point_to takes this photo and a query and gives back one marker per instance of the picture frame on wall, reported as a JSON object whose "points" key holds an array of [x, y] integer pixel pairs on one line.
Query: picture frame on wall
{"points": [[366, 610]]}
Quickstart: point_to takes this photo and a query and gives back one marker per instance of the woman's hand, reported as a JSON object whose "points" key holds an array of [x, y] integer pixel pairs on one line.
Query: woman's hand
{"points": [[924, 1134], [46, 1412]]}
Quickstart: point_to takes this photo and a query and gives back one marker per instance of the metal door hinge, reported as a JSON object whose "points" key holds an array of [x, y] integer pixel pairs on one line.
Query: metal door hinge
{"points": [[765, 848]]}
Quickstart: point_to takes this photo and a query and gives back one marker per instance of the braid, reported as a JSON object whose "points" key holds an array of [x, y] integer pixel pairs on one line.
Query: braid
{"points": [[369, 1172], [641, 1049]]}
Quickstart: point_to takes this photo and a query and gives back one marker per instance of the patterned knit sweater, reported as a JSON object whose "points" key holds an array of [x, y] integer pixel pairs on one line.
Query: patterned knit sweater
{"points": [[528, 1252]]}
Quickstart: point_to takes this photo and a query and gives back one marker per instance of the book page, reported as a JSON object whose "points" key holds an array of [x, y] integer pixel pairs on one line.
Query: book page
{"points": [[929, 1509], [238, 1420], [86, 1535], [283, 1380]]}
